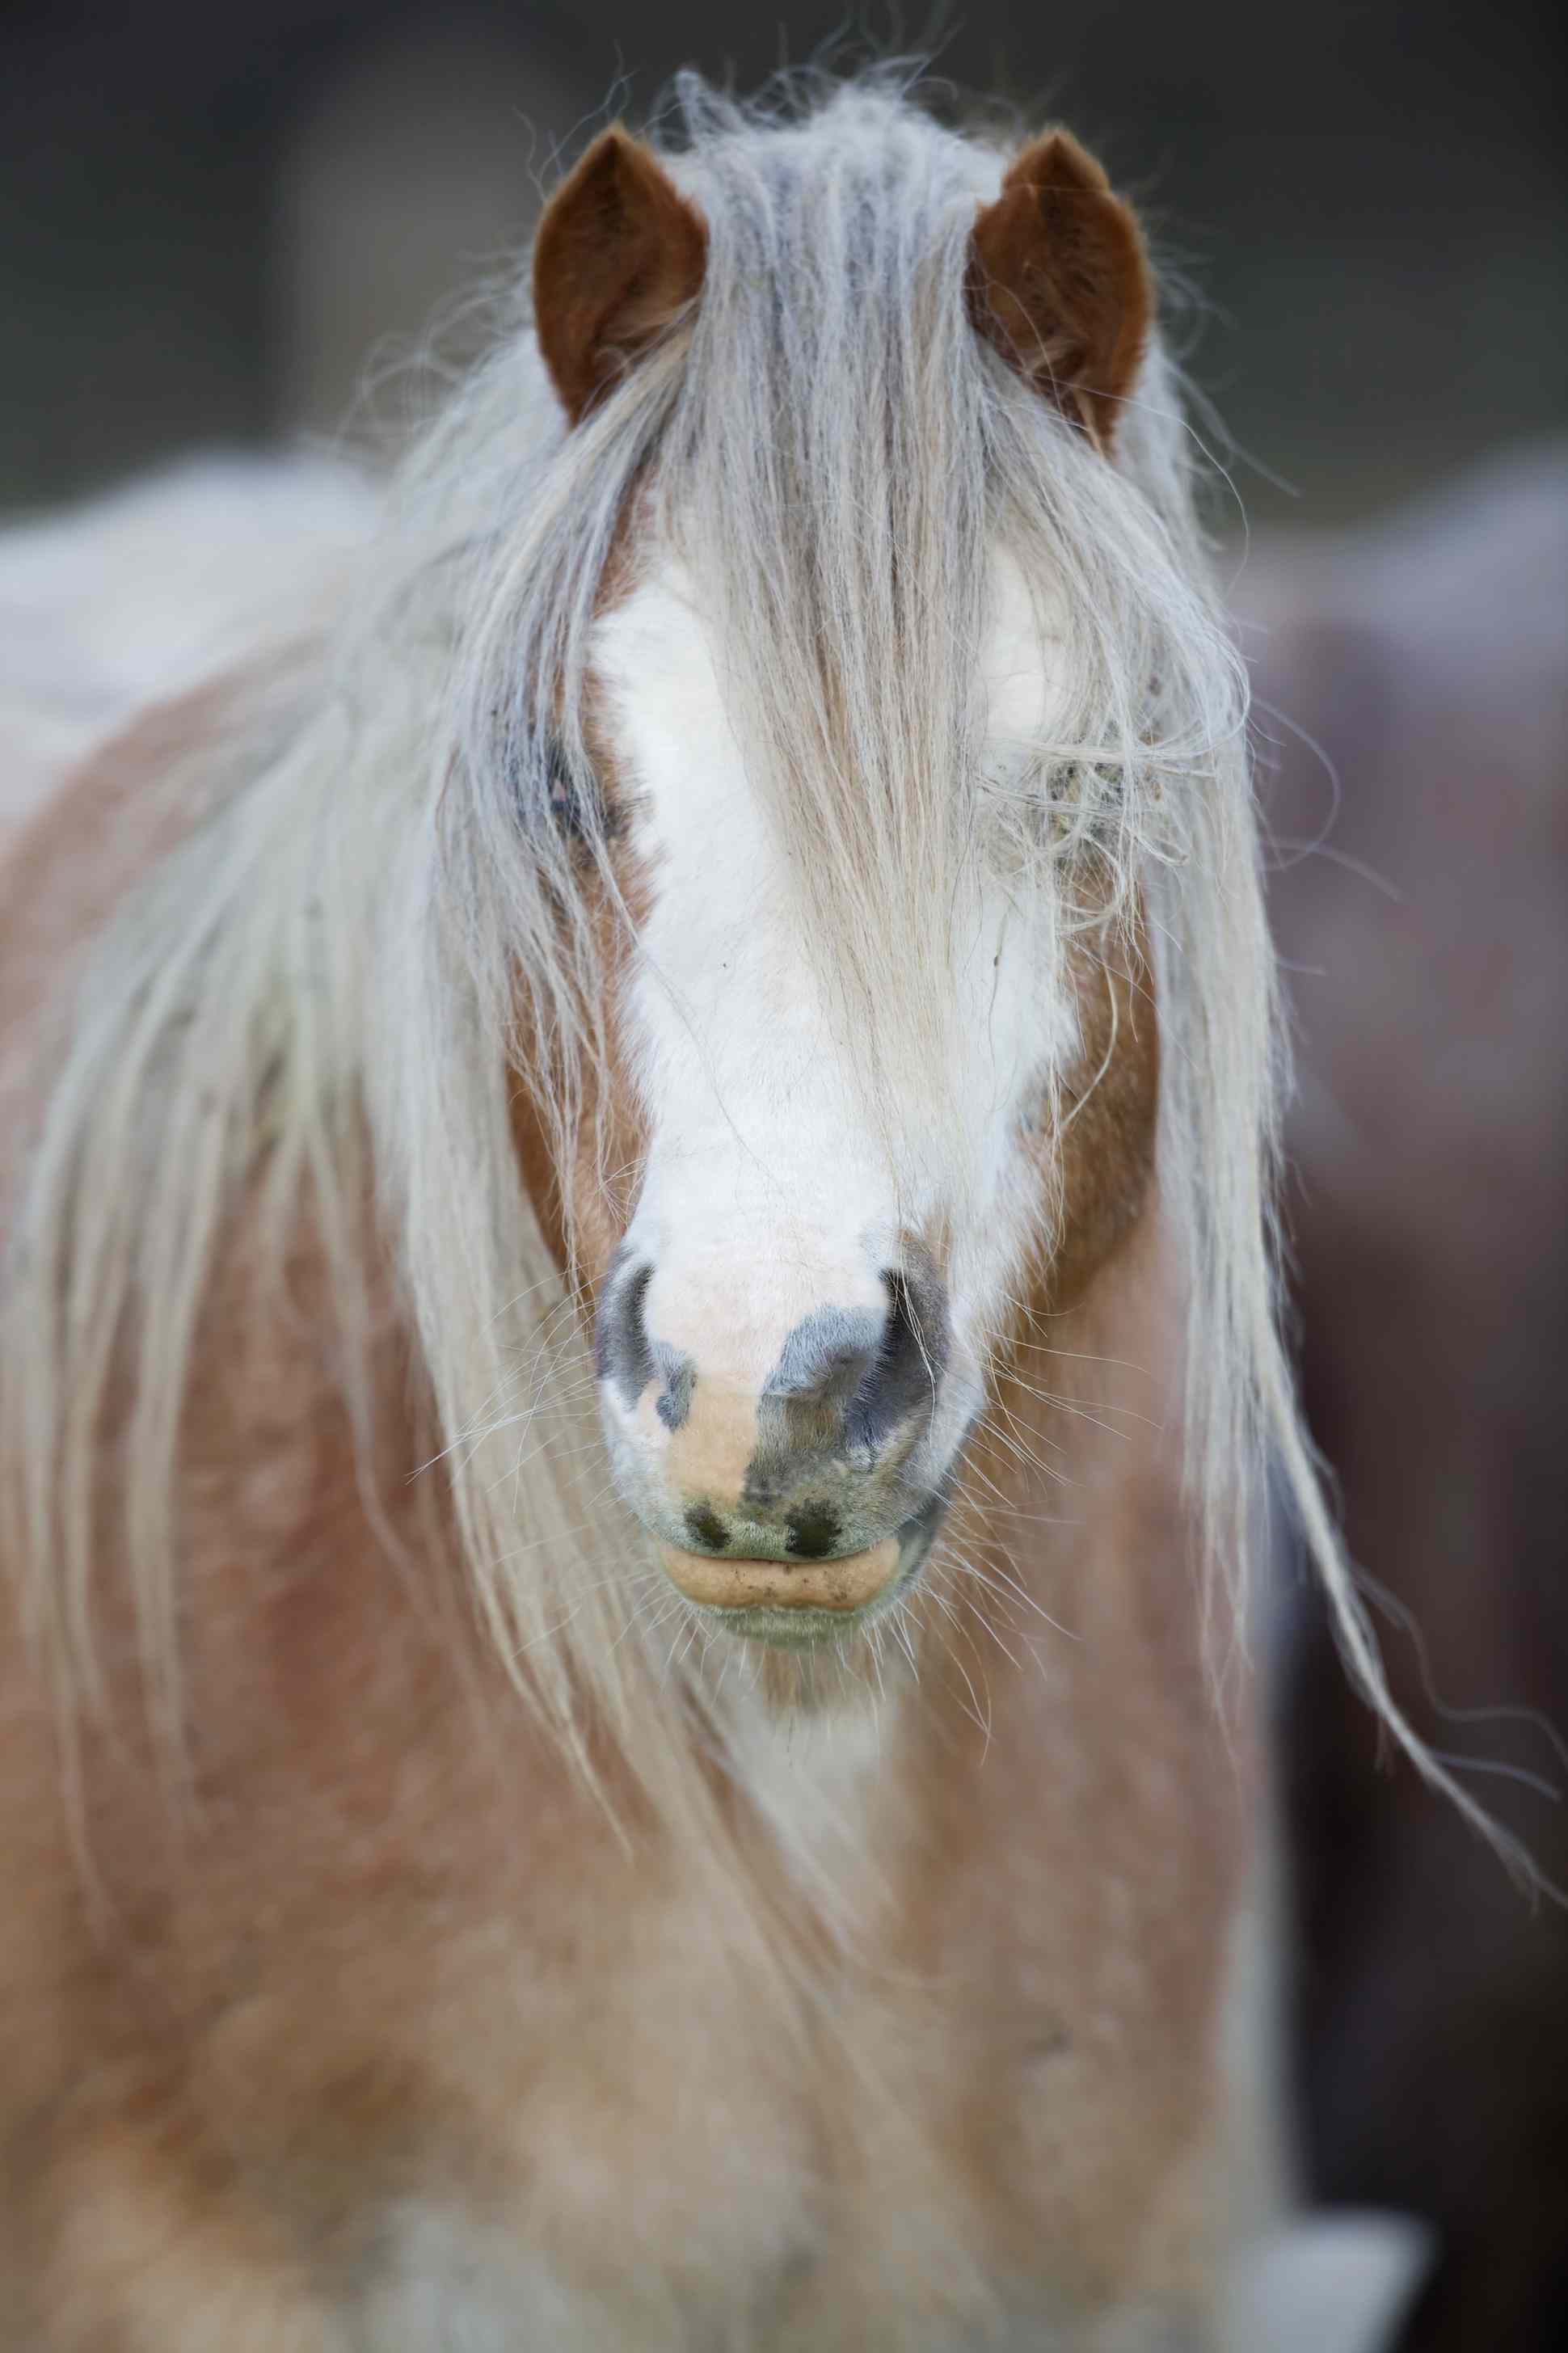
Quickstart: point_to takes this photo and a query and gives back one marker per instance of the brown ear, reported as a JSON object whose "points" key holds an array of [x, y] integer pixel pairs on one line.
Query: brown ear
{"points": [[620, 254], [1058, 281]]}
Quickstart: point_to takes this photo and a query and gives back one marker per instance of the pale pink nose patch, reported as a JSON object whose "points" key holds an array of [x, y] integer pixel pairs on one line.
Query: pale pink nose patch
{"points": [[711, 1452], [847, 1584]]}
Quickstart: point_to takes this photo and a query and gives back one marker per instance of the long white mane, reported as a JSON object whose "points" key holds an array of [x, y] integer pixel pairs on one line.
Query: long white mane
{"points": [[331, 988]]}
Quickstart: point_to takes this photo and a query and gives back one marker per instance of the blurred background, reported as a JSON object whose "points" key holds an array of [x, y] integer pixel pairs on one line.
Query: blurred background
{"points": [[213, 220], [209, 215]]}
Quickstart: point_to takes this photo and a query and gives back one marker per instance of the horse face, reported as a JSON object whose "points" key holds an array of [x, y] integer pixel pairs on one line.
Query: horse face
{"points": [[791, 1332], [793, 1328]]}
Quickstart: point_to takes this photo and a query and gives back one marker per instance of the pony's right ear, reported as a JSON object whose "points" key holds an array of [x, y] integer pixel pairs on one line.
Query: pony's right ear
{"points": [[619, 255]]}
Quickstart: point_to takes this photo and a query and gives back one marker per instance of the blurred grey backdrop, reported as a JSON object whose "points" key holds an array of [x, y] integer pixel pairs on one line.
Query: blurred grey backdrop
{"points": [[209, 215]]}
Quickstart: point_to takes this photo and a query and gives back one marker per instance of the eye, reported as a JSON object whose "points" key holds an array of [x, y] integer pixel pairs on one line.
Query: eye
{"points": [[569, 803], [548, 787], [571, 797]]}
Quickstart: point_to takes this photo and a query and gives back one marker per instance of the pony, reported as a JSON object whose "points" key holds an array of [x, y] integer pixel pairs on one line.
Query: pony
{"points": [[639, 1338]]}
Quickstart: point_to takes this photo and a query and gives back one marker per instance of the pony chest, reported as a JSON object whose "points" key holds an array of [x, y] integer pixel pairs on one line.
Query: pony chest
{"points": [[679, 2159], [652, 2176]]}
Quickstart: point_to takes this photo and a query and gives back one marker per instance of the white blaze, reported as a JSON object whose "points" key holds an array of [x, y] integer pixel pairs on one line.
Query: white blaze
{"points": [[768, 1195]]}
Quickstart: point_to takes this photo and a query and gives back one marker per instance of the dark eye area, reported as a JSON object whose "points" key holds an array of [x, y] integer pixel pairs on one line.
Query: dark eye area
{"points": [[571, 797], [551, 790], [564, 794]]}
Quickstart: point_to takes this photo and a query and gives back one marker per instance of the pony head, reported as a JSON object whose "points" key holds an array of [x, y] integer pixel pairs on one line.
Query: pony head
{"points": [[868, 927]]}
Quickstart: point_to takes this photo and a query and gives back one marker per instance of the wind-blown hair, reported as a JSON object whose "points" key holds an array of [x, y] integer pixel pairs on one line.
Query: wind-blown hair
{"points": [[331, 988]]}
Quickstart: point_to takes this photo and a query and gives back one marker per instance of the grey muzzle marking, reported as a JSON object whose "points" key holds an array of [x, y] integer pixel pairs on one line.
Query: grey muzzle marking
{"points": [[843, 1383]]}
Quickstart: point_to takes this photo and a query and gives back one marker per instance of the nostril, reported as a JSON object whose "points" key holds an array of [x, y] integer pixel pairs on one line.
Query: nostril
{"points": [[706, 1529], [911, 1356], [813, 1532], [622, 1352], [901, 1348]]}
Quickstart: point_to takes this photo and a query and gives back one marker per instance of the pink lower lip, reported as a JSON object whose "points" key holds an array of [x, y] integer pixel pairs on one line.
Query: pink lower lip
{"points": [[844, 1585]]}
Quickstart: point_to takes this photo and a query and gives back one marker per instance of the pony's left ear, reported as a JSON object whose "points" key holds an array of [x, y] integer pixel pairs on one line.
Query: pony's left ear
{"points": [[619, 255], [1058, 281]]}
